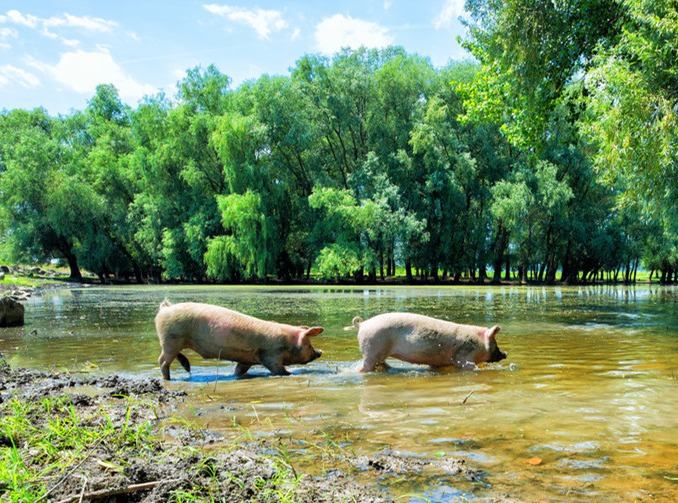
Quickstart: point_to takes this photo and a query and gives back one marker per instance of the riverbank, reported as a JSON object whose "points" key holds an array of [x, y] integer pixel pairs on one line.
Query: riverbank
{"points": [[20, 280], [65, 438]]}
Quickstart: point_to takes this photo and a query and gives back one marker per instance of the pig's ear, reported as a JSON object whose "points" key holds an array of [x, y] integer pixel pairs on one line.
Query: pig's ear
{"points": [[491, 333], [312, 332]]}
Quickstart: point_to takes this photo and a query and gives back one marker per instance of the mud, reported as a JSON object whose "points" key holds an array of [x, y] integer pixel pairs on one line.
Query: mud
{"points": [[188, 463]]}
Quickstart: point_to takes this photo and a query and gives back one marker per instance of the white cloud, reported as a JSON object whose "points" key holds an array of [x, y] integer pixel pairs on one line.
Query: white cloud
{"points": [[85, 22], [451, 10], [81, 71], [16, 17], [93, 24], [70, 42], [334, 33], [264, 22], [6, 33], [12, 74]]}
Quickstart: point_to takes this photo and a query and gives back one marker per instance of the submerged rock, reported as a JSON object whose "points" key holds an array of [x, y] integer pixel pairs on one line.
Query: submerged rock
{"points": [[11, 312]]}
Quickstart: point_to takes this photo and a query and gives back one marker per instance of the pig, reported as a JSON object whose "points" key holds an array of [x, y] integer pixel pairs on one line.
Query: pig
{"points": [[419, 339], [217, 332]]}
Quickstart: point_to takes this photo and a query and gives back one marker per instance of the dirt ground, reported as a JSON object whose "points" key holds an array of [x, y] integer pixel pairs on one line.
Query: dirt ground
{"points": [[183, 463]]}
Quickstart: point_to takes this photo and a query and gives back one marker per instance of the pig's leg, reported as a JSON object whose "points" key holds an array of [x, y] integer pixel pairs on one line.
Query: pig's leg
{"points": [[241, 369], [372, 363], [374, 356], [274, 364], [164, 362], [184, 362], [375, 346]]}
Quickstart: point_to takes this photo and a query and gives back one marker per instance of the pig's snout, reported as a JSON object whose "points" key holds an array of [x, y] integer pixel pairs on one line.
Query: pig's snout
{"points": [[498, 355], [317, 353]]}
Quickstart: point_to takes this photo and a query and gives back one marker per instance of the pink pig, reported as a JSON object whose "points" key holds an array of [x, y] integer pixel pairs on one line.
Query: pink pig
{"points": [[423, 340], [217, 332]]}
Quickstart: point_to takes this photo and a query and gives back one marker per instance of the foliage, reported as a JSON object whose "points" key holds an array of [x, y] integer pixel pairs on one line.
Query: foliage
{"points": [[608, 68], [530, 163]]}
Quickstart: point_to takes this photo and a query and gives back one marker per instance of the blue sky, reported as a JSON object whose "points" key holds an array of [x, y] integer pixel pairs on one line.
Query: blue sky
{"points": [[53, 54]]}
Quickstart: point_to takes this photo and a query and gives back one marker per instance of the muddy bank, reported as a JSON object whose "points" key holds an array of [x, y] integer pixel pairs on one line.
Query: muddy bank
{"points": [[66, 438]]}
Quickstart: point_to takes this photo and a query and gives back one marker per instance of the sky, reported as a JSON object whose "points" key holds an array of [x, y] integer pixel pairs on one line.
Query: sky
{"points": [[53, 54]]}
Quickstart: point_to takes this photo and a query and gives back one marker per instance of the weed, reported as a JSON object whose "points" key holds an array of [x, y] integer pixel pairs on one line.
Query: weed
{"points": [[245, 432], [194, 429], [16, 478], [53, 437]]}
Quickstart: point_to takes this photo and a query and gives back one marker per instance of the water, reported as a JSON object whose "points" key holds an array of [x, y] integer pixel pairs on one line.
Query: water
{"points": [[583, 409]]}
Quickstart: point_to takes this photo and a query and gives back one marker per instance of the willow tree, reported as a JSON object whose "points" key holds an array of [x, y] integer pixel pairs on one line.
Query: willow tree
{"points": [[530, 51], [248, 245], [632, 110], [48, 209]]}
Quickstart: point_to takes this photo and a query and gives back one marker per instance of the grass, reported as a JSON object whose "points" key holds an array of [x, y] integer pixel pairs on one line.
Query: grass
{"points": [[44, 440], [11, 280]]}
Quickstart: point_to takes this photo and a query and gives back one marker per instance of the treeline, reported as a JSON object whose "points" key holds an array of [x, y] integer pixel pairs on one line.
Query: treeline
{"points": [[350, 166]]}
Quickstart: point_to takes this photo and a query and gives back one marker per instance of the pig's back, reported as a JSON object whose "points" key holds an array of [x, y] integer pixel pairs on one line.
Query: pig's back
{"points": [[386, 330], [406, 322], [411, 337]]}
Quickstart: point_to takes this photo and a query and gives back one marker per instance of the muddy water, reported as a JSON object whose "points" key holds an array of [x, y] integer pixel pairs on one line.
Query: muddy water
{"points": [[585, 408]]}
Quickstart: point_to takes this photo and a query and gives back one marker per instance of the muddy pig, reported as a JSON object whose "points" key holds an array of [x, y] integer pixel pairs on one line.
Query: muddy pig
{"points": [[423, 340], [217, 332]]}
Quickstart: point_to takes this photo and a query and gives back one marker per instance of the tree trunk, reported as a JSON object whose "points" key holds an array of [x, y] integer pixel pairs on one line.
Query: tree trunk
{"points": [[73, 265], [408, 270], [500, 243], [381, 265], [372, 273], [482, 273], [138, 273], [434, 273], [521, 274]]}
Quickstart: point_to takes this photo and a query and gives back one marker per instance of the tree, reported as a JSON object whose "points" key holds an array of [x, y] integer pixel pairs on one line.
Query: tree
{"points": [[338, 232], [530, 51], [249, 213], [102, 139], [389, 229], [340, 95], [631, 105], [177, 157], [617, 55], [48, 209], [247, 250]]}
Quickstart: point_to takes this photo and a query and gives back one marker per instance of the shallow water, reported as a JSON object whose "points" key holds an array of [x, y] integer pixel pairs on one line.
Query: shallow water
{"points": [[584, 408]]}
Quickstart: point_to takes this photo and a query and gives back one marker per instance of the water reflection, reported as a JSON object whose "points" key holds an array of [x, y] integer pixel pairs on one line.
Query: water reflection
{"points": [[589, 387]]}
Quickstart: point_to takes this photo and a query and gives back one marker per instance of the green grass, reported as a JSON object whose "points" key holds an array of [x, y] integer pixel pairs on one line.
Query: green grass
{"points": [[43, 440], [22, 281], [12, 280]]}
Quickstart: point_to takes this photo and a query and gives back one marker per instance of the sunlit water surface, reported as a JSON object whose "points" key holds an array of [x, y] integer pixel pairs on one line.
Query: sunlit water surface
{"points": [[585, 408]]}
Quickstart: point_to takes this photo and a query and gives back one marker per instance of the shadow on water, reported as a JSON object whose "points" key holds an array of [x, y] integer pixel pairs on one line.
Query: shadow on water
{"points": [[207, 375]]}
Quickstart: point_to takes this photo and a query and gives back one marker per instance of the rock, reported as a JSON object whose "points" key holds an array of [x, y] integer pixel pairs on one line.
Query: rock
{"points": [[11, 312], [2, 275], [4, 269]]}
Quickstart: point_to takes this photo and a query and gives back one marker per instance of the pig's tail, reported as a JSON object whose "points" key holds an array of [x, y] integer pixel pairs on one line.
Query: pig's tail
{"points": [[355, 323]]}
